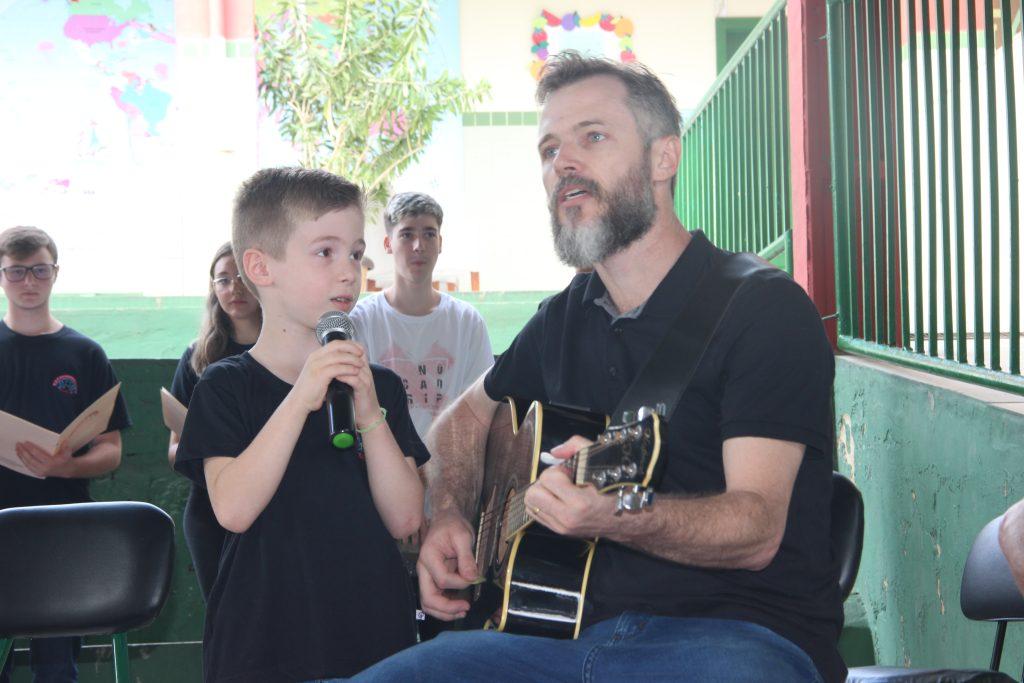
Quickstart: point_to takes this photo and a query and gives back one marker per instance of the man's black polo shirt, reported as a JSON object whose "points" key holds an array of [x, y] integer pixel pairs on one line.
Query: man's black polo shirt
{"points": [[768, 373]]}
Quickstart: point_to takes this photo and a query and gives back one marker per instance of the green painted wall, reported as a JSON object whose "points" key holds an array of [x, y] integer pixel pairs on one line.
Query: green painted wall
{"points": [[935, 460]]}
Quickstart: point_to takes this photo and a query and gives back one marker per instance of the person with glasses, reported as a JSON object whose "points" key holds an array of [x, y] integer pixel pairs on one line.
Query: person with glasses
{"points": [[231, 325], [50, 374]]}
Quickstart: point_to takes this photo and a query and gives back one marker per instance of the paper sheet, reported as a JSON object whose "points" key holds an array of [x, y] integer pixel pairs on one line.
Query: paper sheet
{"points": [[174, 411], [91, 423]]}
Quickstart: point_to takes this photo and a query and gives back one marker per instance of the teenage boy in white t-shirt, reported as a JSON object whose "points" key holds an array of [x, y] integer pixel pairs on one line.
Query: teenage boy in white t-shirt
{"points": [[437, 344]]}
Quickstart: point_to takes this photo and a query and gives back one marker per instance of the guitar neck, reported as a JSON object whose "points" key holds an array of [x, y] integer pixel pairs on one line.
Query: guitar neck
{"points": [[518, 518]]}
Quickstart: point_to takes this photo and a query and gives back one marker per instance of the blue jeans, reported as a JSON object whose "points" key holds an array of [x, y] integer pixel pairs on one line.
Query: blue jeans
{"points": [[633, 646], [52, 660]]}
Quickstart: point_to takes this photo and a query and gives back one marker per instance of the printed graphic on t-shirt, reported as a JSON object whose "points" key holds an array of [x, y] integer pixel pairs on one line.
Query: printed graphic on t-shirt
{"points": [[66, 384], [426, 380]]}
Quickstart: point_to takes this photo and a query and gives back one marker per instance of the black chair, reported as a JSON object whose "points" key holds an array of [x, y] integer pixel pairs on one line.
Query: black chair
{"points": [[987, 593], [847, 531], [83, 569]]}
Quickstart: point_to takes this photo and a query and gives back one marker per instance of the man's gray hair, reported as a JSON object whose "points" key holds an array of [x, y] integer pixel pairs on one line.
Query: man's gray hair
{"points": [[406, 204], [652, 105]]}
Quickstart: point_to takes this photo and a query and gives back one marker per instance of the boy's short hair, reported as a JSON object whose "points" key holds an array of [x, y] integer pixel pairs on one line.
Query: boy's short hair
{"points": [[24, 240], [408, 204], [273, 201]]}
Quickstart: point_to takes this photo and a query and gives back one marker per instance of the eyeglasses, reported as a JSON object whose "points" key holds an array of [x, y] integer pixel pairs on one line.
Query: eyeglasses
{"points": [[40, 271], [226, 282]]}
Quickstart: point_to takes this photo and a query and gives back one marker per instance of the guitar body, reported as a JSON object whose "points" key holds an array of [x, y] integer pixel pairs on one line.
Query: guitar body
{"points": [[534, 580], [546, 584]]}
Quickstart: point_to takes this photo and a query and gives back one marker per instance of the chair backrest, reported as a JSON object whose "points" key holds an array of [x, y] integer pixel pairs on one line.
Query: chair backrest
{"points": [[83, 569], [988, 591], [847, 530]]}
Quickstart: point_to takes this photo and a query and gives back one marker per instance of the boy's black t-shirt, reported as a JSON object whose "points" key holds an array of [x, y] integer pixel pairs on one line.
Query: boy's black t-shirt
{"points": [[767, 373], [316, 587], [50, 379]]}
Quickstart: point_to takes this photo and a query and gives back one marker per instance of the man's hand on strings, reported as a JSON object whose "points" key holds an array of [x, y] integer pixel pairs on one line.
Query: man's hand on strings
{"points": [[565, 508]]}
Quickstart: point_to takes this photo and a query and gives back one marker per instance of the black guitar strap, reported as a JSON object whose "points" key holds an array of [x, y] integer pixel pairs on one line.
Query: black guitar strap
{"points": [[670, 368]]}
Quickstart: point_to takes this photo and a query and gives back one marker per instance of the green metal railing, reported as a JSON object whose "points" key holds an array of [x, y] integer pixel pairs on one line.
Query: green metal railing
{"points": [[925, 185], [734, 177]]}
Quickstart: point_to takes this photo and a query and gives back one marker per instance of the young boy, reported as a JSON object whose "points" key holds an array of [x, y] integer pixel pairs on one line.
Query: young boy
{"points": [[437, 344], [310, 583], [49, 374]]}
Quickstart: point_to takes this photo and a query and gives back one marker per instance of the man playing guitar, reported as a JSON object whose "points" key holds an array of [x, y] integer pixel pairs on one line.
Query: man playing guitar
{"points": [[728, 575]]}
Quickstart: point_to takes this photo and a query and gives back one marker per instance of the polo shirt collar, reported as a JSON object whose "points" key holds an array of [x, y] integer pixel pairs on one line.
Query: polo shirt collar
{"points": [[677, 283]]}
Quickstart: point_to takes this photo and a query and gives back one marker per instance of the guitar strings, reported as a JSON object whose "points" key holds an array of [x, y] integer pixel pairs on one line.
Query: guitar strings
{"points": [[516, 501], [582, 456]]}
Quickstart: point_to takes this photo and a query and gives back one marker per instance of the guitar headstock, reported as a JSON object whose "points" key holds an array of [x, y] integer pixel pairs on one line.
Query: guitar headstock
{"points": [[622, 455]]}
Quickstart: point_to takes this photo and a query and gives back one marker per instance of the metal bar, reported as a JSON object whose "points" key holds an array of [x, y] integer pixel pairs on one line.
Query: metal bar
{"points": [[734, 190], [947, 261], [749, 152], [750, 167], [717, 140], [740, 166], [929, 124], [915, 157], [772, 151], [993, 188], [864, 164], [960, 295], [1012, 187], [838, 107], [935, 366], [744, 167], [787, 190], [979, 281], [705, 156], [877, 160], [997, 647], [901, 185], [888, 161], [761, 104], [122, 673]]}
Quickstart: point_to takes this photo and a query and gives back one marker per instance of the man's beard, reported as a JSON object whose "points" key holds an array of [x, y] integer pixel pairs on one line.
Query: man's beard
{"points": [[629, 214]]}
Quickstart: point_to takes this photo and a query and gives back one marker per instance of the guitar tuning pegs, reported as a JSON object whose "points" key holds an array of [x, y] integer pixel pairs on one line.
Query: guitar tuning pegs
{"points": [[633, 499]]}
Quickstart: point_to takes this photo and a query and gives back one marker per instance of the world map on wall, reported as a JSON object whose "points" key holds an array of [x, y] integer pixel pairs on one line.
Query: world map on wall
{"points": [[87, 87]]}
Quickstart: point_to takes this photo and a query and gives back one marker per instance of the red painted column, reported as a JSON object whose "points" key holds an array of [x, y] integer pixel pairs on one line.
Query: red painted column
{"points": [[813, 248]]}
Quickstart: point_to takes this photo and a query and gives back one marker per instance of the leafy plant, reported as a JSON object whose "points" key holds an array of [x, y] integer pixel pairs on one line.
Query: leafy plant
{"points": [[348, 82]]}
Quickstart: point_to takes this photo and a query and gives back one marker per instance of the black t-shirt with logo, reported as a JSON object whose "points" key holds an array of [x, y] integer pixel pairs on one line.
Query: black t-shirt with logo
{"points": [[316, 587], [48, 380], [767, 373]]}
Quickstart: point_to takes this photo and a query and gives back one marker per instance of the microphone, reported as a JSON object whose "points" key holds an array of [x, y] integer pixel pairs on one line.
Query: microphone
{"points": [[341, 414]]}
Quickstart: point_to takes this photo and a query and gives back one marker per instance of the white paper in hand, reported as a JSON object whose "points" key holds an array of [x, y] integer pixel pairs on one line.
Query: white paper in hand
{"points": [[91, 423], [174, 411]]}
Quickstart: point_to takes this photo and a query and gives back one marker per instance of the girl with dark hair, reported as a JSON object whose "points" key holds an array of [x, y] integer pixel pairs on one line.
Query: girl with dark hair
{"points": [[231, 325]]}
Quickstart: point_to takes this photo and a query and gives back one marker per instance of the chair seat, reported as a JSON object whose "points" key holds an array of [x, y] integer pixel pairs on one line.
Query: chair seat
{"points": [[880, 674]]}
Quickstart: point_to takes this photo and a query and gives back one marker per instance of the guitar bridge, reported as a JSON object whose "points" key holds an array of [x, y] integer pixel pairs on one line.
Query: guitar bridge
{"points": [[633, 499]]}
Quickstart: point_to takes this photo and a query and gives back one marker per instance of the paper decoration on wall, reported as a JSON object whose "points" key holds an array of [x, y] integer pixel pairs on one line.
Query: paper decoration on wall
{"points": [[600, 35]]}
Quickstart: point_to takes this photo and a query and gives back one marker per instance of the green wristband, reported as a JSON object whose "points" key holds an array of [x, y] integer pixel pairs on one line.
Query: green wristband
{"points": [[376, 423]]}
